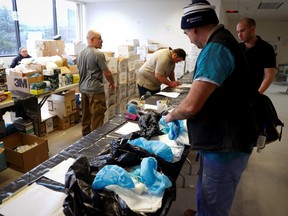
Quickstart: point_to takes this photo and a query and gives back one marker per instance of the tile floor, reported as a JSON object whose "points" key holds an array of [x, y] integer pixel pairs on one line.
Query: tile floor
{"points": [[263, 188]]}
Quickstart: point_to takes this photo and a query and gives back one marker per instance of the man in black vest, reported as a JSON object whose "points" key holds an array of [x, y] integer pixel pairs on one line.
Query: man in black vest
{"points": [[217, 110]]}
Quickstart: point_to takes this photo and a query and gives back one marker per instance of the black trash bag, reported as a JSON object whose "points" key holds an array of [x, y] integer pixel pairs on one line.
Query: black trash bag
{"points": [[149, 124], [25, 105], [110, 155], [123, 154], [116, 153], [127, 155], [83, 200]]}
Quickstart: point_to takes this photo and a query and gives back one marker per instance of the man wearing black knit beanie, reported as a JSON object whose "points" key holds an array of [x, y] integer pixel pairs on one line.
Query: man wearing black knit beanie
{"points": [[219, 121]]}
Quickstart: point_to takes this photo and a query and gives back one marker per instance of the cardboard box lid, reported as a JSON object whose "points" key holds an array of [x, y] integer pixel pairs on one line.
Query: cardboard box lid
{"points": [[63, 96]]}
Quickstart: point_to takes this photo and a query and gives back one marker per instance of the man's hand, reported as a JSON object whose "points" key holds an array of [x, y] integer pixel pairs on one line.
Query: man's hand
{"points": [[174, 84]]}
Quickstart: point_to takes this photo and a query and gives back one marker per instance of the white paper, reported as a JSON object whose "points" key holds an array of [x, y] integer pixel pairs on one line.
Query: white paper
{"points": [[185, 85], [176, 149], [150, 106], [34, 200], [57, 173], [137, 202], [169, 94], [127, 128]]}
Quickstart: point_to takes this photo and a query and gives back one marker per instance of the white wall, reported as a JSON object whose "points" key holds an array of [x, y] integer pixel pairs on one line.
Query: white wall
{"points": [[158, 21], [275, 33], [118, 21]]}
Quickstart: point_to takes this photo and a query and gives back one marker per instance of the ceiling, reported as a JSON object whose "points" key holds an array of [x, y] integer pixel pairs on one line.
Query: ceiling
{"points": [[250, 8], [244, 8]]}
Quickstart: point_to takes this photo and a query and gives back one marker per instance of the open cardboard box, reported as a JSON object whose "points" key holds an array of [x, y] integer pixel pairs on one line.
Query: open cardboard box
{"points": [[29, 159]]}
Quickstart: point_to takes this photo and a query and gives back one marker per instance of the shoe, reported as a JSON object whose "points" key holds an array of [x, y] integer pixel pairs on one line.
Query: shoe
{"points": [[189, 212]]}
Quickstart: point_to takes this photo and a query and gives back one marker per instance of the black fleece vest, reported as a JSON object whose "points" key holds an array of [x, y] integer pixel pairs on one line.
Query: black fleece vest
{"points": [[225, 122]]}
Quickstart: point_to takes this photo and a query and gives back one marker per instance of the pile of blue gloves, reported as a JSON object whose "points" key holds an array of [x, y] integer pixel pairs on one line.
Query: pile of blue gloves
{"points": [[155, 182], [173, 129]]}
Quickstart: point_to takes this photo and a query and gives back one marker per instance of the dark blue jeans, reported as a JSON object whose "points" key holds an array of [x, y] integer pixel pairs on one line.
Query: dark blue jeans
{"points": [[143, 91], [217, 185]]}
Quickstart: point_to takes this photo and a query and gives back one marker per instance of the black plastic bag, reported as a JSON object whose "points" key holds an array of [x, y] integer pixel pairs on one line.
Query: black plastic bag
{"points": [[266, 118], [82, 200], [149, 124]]}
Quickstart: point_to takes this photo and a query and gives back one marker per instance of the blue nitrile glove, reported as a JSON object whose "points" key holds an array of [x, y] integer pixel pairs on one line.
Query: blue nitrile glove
{"points": [[154, 147], [173, 129], [154, 181], [112, 175]]}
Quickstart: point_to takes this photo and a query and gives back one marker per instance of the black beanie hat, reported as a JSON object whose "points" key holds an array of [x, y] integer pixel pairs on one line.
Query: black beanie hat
{"points": [[198, 13]]}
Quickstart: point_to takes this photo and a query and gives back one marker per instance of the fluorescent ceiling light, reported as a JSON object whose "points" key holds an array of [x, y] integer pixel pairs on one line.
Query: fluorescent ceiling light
{"points": [[269, 5]]}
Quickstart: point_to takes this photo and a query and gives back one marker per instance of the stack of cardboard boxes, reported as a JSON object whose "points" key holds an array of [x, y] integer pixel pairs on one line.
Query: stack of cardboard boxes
{"points": [[64, 106], [41, 48], [124, 69]]}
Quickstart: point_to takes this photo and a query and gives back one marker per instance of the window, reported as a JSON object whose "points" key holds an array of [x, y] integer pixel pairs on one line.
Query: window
{"points": [[8, 44], [35, 20], [22, 22], [67, 20]]}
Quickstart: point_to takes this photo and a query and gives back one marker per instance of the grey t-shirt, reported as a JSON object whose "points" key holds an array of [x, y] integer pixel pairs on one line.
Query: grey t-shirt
{"points": [[91, 63], [160, 62]]}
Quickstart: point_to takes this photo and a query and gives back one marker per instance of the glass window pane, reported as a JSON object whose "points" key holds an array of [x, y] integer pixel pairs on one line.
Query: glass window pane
{"points": [[35, 20], [66, 20], [8, 44]]}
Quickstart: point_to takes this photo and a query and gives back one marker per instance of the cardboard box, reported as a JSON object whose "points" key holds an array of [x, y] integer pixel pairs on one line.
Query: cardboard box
{"points": [[122, 64], [126, 51], [66, 122], [64, 70], [73, 69], [131, 89], [110, 100], [48, 125], [152, 47], [63, 96], [29, 159], [142, 51], [111, 111], [133, 42], [62, 108], [112, 64], [37, 91], [131, 76], [62, 104], [109, 54], [15, 81], [122, 106], [42, 129], [121, 92], [132, 62], [55, 122], [47, 47], [76, 78], [122, 78]]}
